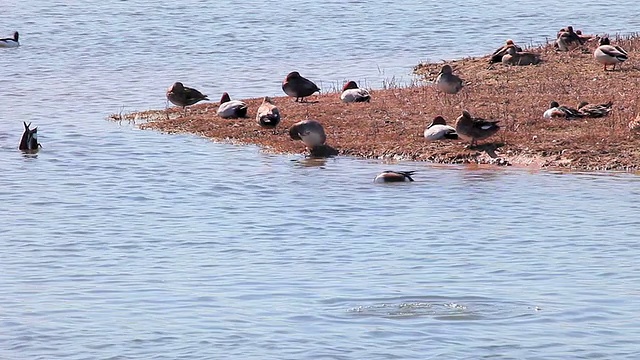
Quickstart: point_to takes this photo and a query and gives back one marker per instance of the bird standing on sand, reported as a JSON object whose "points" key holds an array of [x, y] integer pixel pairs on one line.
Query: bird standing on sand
{"points": [[557, 110], [268, 115], [351, 93], [475, 129], [310, 132], [11, 42], [438, 129], [447, 82], [29, 140], [181, 95], [394, 176], [607, 54], [231, 109], [298, 87]]}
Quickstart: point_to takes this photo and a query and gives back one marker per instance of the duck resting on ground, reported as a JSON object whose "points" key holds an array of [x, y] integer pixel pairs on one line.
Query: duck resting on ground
{"points": [[393, 176], [557, 110], [438, 129], [607, 54], [268, 115], [568, 40], [594, 110], [231, 109], [514, 57], [496, 57], [475, 129], [351, 93], [11, 42], [298, 87]]}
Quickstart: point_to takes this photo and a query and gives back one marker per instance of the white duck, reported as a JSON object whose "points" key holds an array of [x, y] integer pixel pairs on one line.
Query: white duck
{"points": [[607, 54], [351, 93], [438, 129], [231, 109], [10, 42]]}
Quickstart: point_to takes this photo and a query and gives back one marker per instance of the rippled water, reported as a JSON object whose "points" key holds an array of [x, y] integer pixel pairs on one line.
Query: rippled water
{"points": [[117, 243]]}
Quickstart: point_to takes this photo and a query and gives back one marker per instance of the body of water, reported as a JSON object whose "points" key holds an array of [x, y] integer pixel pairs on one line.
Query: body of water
{"points": [[117, 243]]}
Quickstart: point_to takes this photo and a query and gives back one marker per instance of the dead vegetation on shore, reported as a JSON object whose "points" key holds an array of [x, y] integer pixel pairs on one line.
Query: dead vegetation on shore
{"points": [[391, 126]]}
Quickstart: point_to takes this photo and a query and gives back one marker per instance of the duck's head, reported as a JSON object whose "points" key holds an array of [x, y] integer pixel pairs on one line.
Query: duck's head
{"points": [[267, 100], [560, 32], [570, 29], [292, 75], [438, 120], [177, 86], [15, 35], [605, 41], [225, 98], [466, 114], [510, 42], [554, 104], [446, 69], [293, 132], [350, 85]]}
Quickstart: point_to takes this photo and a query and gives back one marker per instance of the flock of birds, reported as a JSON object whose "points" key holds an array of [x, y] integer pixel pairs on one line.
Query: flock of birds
{"points": [[312, 134]]}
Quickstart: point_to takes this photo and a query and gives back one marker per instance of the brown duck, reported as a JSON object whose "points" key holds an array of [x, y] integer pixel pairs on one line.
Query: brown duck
{"points": [[475, 129], [298, 87]]}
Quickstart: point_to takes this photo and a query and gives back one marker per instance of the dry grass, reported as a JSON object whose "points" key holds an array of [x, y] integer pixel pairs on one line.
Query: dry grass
{"points": [[391, 126]]}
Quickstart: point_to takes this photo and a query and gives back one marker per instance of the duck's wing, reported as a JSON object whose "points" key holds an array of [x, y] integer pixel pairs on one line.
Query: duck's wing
{"points": [[194, 94], [613, 52], [570, 112]]}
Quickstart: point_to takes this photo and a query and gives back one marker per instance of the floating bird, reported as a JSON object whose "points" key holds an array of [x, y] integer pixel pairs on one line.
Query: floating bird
{"points": [[447, 82], [556, 110], [268, 115], [438, 129], [594, 110], [298, 87], [496, 57], [393, 176], [231, 109], [568, 39], [310, 132], [351, 93], [607, 54], [475, 129], [29, 140], [11, 42], [181, 95], [514, 57]]}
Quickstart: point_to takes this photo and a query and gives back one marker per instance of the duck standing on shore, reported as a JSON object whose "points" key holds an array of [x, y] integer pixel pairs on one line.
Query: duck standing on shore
{"points": [[607, 54], [515, 57], [475, 129], [447, 82], [180, 95], [310, 132], [394, 176], [351, 93], [594, 110], [557, 110], [29, 140], [11, 42], [231, 109], [268, 115], [496, 57], [298, 87], [438, 129]]}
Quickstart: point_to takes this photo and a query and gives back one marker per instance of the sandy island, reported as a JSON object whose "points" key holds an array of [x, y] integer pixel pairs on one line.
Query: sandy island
{"points": [[391, 126]]}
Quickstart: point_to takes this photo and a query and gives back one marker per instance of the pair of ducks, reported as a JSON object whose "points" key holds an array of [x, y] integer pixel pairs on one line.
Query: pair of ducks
{"points": [[299, 87], [11, 42], [512, 54], [584, 110], [467, 127], [567, 39]]}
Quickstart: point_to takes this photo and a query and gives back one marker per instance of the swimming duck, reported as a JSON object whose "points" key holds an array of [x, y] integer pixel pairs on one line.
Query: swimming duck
{"points": [[180, 95], [594, 110], [447, 82], [310, 132], [393, 176], [514, 57], [438, 129], [607, 54], [231, 109], [268, 115], [496, 57], [556, 110], [568, 39], [351, 93], [298, 87], [29, 140], [475, 129], [11, 42]]}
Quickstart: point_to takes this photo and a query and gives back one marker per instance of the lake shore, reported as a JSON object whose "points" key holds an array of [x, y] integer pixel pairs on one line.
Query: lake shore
{"points": [[391, 126]]}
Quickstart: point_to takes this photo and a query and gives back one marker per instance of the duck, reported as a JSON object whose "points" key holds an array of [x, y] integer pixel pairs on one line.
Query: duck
{"points": [[351, 93], [438, 129], [231, 109], [568, 39], [475, 129], [447, 82], [515, 57], [394, 176], [11, 42], [29, 140], [607, 54], [594, 110], [556, 110], [268, 115], [298, 87], [496, 57], [180, 95], [310, 132]]}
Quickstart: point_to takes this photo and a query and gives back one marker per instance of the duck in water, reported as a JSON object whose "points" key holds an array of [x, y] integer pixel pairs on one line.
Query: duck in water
{"points": [[29, 140]]}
